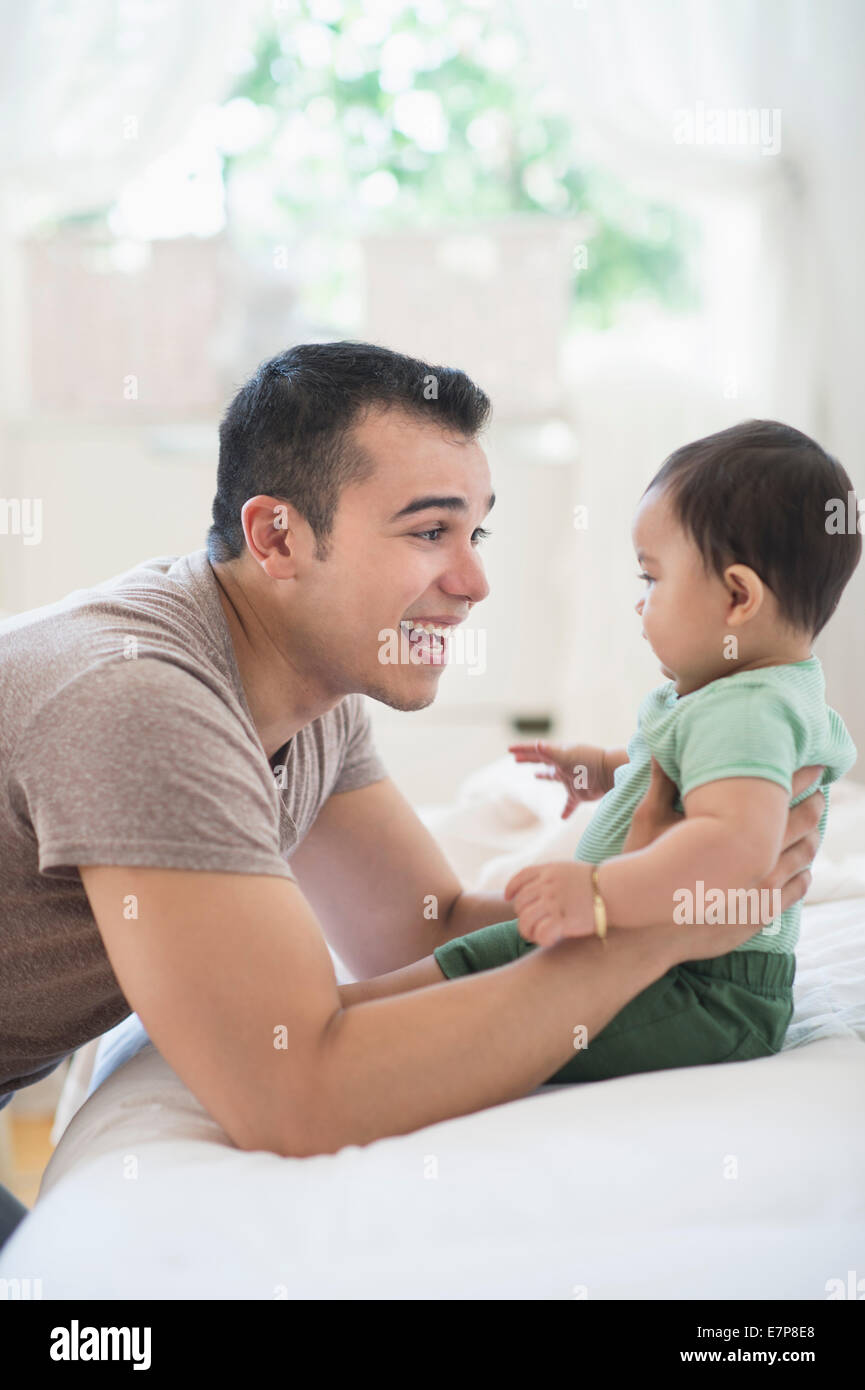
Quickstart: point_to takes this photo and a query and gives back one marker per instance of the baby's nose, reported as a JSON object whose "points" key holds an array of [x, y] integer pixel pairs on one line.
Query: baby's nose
{"points": [[638, 606]]}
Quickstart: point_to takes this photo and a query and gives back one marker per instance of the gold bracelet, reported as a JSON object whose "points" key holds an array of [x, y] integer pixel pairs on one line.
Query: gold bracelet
{"points": [[599, 907]]}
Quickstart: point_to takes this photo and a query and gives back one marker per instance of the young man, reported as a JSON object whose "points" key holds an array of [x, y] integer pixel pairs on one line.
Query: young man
{"points": [[174, 737]]}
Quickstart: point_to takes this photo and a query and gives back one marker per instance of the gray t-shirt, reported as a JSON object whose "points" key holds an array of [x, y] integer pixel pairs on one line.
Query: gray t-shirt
{"points": [[126, 738]]}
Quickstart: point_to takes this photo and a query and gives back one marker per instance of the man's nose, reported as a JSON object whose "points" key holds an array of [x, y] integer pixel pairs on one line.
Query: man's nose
{"points": [[466, 577]]}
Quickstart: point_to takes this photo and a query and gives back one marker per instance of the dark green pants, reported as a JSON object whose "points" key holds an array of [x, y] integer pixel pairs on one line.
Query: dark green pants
{"points": [[729, 1009]]}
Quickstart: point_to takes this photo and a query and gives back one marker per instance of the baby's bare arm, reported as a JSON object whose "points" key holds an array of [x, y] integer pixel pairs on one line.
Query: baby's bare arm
{"points": [[730, 838]]}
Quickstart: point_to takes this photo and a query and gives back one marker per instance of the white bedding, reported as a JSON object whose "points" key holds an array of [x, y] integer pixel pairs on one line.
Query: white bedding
{"points": [[736, 1181]]}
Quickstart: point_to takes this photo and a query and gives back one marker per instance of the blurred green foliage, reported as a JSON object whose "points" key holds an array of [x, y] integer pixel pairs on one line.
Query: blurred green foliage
{"points": [[363, 115]]}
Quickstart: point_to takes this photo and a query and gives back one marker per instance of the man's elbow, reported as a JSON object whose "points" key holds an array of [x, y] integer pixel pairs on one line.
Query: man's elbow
{"points": [[318, 1129], [304, 1133], [319, 1123], [300, 1120]]}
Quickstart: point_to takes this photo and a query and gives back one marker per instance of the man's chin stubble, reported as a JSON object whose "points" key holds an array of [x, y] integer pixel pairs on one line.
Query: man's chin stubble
{"points": [[404, 703]]}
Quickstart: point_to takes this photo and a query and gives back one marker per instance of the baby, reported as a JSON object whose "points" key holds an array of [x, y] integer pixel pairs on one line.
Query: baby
{"points": [[742, 571]]}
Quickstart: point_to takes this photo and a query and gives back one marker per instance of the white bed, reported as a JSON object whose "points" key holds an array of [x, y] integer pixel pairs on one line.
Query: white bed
{"points": [[737, 1181]]}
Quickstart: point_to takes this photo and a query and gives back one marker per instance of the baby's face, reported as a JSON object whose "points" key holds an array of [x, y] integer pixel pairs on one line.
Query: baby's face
{"points": [[683, 607]]}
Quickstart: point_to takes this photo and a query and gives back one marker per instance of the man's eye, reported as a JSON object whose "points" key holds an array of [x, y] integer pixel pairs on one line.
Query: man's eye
{"points": [[434, 532]]}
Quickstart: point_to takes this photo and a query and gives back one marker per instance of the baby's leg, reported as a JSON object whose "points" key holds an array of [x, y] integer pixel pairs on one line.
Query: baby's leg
{"points": [[728, 1008], [415, 976], [732, 1008], [465, 955]]}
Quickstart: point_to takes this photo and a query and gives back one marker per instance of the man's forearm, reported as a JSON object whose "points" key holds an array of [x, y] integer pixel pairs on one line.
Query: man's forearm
{"points": [[392, 1065], [467, 912], [471, 911]]}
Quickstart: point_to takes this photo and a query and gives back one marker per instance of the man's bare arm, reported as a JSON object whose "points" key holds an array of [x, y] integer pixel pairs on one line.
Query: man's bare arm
{"points": [[375, 876], [791, 876], [695, 942], [233, 981], [369, 865]]}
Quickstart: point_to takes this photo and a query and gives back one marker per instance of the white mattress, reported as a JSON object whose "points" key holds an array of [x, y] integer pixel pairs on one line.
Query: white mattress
{"points": [[735, 1181]]}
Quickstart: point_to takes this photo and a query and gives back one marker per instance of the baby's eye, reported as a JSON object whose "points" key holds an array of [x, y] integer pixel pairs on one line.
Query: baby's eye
{"points": [[648, 578]]}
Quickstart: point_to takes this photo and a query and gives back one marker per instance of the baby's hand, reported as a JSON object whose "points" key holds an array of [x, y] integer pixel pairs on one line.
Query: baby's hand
{"points": [[553, 901], [582, 770]]}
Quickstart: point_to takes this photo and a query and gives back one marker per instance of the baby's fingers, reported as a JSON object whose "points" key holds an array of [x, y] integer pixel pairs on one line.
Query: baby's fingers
{"points": [[529, 914], [547, 932], [542, 928], [520, 881], [539, 752]]}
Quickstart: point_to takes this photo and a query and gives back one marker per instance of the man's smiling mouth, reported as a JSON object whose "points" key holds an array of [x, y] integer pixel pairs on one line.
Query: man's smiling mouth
{"points": [[416, 628], [429, 638]]}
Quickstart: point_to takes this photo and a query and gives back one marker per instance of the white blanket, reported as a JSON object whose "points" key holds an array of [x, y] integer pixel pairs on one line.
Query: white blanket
{"points": [[735, 1181]]}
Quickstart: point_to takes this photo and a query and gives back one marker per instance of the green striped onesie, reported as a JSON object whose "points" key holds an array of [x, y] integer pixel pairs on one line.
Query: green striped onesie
{"points": [[764, 723], [736, 1007]]}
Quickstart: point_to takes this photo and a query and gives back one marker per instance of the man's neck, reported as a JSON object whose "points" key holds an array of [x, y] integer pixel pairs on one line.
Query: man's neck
{"points": [[281, 696]]}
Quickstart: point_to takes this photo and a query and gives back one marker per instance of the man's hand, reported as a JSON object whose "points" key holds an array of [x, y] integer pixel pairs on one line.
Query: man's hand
{"points": [[582, 769], [792, 872], [655, 812]]}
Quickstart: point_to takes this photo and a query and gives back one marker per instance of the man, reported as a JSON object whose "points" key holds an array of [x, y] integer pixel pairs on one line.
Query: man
{"points": [[174, 737]]}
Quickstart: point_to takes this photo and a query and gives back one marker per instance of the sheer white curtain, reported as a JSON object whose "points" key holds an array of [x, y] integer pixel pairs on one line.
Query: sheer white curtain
{"points": [[90, 93], [786, 289]]}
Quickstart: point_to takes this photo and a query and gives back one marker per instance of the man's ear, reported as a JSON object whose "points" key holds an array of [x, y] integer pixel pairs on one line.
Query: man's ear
{"points": [[746, 593], [276, 534]]}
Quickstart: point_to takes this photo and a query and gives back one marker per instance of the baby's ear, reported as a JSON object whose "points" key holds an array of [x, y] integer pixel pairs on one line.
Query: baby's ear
{"points": [[746, 592]]}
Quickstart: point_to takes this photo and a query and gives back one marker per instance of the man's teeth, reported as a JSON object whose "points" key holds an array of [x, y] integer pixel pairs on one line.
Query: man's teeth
{"points": [[424, 627]]}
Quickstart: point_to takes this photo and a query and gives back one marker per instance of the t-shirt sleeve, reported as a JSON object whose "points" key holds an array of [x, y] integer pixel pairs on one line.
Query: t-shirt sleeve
{"points": [[361, 763], [745, 732], [141, 763]]}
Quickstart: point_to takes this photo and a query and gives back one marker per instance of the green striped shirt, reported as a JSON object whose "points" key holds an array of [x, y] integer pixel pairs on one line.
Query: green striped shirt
{"points": [[764, 723]]}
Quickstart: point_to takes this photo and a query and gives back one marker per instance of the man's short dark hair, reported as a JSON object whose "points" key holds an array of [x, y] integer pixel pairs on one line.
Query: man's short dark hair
{"points": [[757, 494], [288, 430]]}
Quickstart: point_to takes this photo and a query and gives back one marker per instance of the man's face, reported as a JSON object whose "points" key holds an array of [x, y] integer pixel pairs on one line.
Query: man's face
{"points": [[403, 549]]}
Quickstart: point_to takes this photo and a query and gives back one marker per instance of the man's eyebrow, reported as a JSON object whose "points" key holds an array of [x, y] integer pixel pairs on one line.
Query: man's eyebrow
{"points": [[448, 504]]}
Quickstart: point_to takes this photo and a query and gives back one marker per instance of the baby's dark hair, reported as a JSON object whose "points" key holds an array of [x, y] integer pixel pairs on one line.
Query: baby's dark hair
{"points": [[761, 494]]}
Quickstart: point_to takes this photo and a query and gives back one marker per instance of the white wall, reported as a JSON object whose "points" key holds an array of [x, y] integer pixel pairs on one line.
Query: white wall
{"points": [[111, 496]]}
